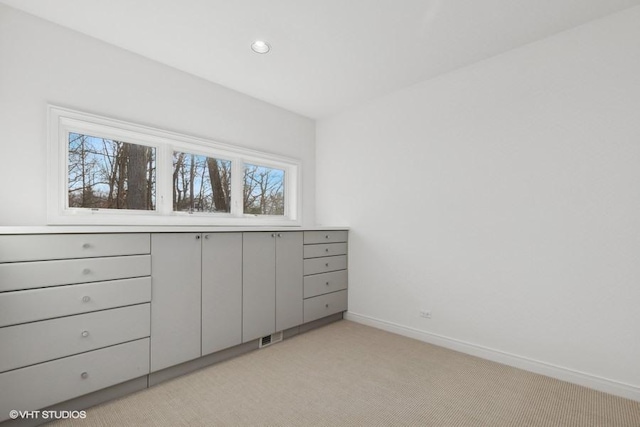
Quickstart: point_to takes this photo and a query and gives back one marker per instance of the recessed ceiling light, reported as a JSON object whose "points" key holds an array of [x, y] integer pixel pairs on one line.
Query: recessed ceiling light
{"points": [[260, 46]]}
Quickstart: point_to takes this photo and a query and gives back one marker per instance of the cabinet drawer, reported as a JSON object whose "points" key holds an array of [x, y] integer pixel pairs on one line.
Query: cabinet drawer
{"points": [[39, 274], [40, 247], [38, 342], [46, 303], [314, 237], [324, 305], [325, 283], [328, 249], [42, 385], [325, 264]]}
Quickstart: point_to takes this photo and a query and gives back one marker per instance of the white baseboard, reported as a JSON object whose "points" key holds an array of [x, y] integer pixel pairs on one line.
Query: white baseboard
{"points": [[587, 380]]}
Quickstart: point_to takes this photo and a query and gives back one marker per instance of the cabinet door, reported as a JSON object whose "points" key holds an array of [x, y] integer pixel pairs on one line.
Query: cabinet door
{"points": [[221, 291], [175, 298], [289, 279], [258, 285]]}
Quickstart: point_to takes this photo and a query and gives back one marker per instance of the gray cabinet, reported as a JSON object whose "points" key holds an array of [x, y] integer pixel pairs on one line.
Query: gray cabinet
{"points": [[74, 315], [258, 285], [197, 295], [272, 282], [36, 247], [62, 336], [288, 280], [325, 236], [324, 305], [40, 274], [221, 291], [176, 298], [325, 264], [325, 273], [44, 384], [88, 311], [46, 303]]}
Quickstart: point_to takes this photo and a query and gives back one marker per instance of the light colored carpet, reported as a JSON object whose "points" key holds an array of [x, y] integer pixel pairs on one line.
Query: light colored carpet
{"points": [[347, 374]]}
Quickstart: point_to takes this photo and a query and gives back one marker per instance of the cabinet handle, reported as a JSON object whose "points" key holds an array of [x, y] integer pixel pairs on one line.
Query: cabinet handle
{"points": [[206, 236], [327, 283], [86, 299], [273, 234], [86, 246], [84, 375], [85, 334], [326, 236], [279, 234], [86, 271], [198, 237], [327, 250], [326, 306], [326, 264]]}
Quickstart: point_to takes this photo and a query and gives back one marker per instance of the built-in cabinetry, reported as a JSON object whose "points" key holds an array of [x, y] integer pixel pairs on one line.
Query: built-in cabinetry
{"points": [[176, 260], [197, 295], [325, 273], [83, 312], [221, 291], [74, 315], [271, 283]]}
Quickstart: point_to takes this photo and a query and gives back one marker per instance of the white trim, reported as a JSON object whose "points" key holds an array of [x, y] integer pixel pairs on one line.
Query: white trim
{"points": [[62, 121], [569, 375]]}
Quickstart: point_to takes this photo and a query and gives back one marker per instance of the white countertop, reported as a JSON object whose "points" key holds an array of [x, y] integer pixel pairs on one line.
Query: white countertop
{"points": [[78, 229]]}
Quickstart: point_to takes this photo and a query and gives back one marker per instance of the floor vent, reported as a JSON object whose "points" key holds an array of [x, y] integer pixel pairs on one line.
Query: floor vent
{"points": [[270, 339]]}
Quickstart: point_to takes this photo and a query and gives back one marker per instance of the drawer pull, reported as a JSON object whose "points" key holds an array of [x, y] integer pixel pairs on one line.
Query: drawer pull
{"points": [[86, 246], [86, 271], [327, 250], [326, 306], [84, 375], [326, 236], [86, 299], [85, 334], [326, 264], [327, 283]]}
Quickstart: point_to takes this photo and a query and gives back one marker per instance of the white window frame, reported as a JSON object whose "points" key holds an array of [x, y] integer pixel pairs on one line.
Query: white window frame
{"points": [[63, 121]]}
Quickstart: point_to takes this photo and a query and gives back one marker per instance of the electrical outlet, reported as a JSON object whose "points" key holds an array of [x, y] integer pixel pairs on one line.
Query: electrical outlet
{"points": [[425, 313]]}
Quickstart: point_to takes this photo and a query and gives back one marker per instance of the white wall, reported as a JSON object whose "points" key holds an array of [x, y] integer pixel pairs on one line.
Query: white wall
{"points": [[505, 197], [44, 63]]}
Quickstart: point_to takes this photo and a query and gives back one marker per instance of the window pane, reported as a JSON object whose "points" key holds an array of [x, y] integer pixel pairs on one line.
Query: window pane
{"points": [[263, 190], [109, 174], [201, 183]]}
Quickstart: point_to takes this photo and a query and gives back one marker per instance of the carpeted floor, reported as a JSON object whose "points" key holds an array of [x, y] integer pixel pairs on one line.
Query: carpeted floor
{"points": [[347, 374]]}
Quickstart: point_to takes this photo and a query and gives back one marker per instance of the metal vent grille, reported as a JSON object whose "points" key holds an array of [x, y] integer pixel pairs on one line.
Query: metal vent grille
{"points": [[270, 339]]}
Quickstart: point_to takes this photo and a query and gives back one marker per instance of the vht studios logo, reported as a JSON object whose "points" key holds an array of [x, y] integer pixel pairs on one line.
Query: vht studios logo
{"points": [[47, 415]]}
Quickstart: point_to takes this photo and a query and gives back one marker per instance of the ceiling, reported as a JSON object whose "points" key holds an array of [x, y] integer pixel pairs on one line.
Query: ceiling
{"points": [[327, 55]]}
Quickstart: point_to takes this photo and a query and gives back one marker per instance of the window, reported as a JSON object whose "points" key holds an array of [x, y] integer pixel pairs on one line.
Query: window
{"points": [[263, 190], [109, 174], [201, 183], [104, 171]]}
